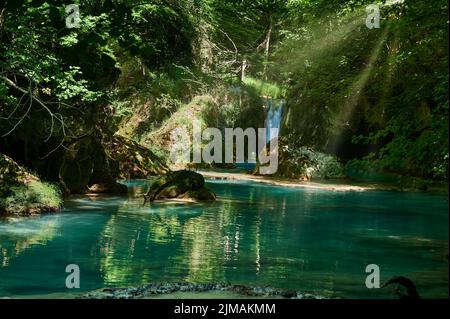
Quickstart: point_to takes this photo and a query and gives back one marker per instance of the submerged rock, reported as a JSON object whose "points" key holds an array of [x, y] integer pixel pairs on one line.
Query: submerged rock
{"points": [[182, 184], [111, 188], [405, 288], [155, 289]]}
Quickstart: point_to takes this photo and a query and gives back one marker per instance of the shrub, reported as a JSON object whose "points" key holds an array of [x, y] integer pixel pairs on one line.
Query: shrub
{"points": [[264, 88], [306, 163], [32, 198]]}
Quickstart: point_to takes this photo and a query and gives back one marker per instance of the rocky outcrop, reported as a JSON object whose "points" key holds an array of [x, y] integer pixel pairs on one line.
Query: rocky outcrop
{"points": [[305, 163], [77, 166], [108, 188], [182, 184]]}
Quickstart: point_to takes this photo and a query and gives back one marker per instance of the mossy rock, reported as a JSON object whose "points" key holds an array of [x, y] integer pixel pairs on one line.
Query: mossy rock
{"points": [[23, 193], [202, 194], [180, 184], [12, 174]]}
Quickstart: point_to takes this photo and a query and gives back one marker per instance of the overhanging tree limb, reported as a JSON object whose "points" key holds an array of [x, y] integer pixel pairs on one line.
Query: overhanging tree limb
{"points": [[29, 92]]}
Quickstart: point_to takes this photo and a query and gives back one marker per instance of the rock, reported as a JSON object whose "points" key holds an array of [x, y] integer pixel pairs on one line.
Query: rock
{"points": [[150, 290], [202, 194], [180, 184], [22, 193], [288, 294], [12, 174], [76, 167], [112, 188], [405, 288]]}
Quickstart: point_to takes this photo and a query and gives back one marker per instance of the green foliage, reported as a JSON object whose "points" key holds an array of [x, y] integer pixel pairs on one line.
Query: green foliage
{"points": [[10, 175], [157, 32], [70, 87], [21, 192], [303, 162], [34, 197], [264, 88], [385, 90], [59, 84]]}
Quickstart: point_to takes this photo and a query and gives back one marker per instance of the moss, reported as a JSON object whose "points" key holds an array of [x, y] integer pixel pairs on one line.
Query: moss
{"points": [[202, 194], [135, 160], [12, 174], [31, 198], [264, 88], [202, 108], [180, 184]]}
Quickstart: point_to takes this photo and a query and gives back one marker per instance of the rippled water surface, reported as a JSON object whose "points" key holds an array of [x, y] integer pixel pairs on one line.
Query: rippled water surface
{"points": [[303, 239]]}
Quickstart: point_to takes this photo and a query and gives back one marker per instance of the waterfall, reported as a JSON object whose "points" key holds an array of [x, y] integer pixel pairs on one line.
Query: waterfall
{"points": [[274, 114]]}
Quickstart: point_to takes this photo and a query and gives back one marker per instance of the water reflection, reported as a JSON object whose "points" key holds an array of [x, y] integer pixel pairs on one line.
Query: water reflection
{"points": [[19, 235]]}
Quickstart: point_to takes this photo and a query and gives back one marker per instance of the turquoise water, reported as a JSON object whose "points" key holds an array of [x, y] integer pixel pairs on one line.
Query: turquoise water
{"points": [[310, 240]]}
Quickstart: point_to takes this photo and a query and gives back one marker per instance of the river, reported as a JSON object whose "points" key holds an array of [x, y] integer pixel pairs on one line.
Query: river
{"points": [[254, 234]]}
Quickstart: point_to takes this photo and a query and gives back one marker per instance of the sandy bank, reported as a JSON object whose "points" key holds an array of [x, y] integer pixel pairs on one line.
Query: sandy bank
{"points": [[342, 186]]}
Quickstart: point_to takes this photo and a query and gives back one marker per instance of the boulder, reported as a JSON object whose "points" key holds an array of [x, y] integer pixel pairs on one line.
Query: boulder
{"points": [[182, 184], [11, 174]]}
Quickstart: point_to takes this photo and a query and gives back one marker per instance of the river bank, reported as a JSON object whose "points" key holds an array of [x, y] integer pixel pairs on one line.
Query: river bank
{"points": [[340, 185]]}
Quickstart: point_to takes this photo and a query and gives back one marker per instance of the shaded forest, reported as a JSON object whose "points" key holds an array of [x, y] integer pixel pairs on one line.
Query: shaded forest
{"points": [[83, 107]]}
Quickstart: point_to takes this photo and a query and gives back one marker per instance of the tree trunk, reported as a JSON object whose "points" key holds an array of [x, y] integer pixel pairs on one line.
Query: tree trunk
{"points": [[267, 46], [243, 67]]}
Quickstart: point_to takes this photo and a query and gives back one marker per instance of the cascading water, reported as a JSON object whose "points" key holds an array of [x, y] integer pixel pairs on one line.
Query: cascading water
{"points": [[274, 114], [274, 109]]}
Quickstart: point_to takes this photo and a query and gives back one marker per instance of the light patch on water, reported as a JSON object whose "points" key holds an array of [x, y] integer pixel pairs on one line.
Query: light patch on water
{"points": [[27, 233], [27, 227]]}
